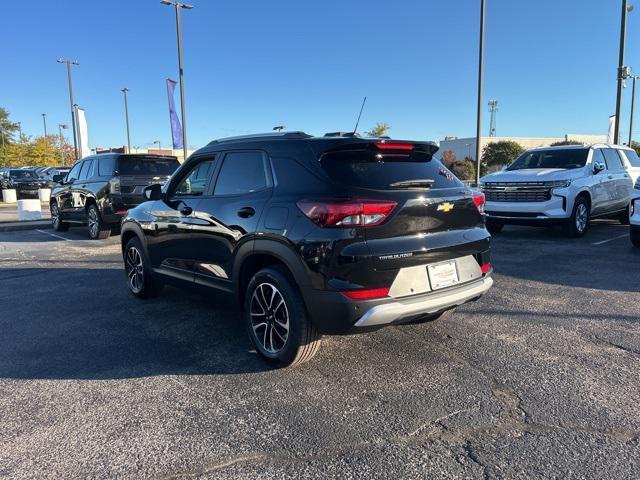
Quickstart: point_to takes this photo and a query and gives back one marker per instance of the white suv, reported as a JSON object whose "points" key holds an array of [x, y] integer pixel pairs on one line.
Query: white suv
{"points": [[565, 185], [634, 214]]}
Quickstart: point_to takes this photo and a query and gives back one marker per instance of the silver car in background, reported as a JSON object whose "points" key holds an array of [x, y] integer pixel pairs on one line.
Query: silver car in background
{"points": [[566, 185]]}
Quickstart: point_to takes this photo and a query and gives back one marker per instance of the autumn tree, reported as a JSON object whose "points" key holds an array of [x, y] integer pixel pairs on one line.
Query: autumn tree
{"points": [[379, 130]]}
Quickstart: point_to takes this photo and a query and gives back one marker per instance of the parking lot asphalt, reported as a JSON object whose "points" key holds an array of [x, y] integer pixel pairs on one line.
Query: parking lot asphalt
{"points": [[540, 378]]}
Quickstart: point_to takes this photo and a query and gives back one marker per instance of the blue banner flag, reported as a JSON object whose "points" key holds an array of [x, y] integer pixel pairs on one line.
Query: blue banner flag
{"points": [[176, 128]]}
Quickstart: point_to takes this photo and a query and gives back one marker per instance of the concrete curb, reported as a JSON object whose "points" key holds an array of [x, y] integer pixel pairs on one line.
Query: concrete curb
{"points": [[24, 225]]}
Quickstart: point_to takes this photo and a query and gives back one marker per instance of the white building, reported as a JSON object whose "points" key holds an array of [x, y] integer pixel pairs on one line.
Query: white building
{"points": [[466, 147]]}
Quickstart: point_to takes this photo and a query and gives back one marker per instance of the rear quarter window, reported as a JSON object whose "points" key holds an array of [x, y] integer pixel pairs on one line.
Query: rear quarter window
{"points": [[632, 157], [373, 170]]}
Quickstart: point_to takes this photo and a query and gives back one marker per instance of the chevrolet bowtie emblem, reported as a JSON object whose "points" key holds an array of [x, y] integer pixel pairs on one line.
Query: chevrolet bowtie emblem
{"points": [[445, 207]]}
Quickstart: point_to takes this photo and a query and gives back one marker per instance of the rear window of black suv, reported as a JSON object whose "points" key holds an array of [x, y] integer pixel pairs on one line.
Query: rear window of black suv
{"points": [[379, 170], [146, 165]]}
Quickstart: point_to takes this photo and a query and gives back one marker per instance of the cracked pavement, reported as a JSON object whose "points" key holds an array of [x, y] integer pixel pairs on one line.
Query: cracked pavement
{"points": [[538, 379]]}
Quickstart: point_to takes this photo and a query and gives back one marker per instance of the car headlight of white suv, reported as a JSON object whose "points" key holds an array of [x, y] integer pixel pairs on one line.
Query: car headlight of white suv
{"points": [[559, 183]]}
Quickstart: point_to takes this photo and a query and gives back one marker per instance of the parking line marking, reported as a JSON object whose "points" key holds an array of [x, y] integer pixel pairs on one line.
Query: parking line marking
{"points": [[610, 239], [54, 235]]}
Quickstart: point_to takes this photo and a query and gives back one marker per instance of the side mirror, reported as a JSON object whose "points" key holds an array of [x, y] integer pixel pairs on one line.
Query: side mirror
{"points": [[153, 192], [598, 167], [58, 178]]}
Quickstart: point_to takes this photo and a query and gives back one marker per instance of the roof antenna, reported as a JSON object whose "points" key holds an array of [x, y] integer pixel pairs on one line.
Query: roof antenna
{"points": [[359, 115]]}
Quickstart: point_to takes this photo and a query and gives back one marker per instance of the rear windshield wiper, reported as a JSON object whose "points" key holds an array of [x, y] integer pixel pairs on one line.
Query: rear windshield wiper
{"points": [[418, 183]]}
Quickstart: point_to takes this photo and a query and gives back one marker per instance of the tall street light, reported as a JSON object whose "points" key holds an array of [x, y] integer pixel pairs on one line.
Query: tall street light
{"points": [[479, 110], [44, 120], [633, 103], [60, 127], [73, 116], [178, 6], [126, 116], [621, 69]]}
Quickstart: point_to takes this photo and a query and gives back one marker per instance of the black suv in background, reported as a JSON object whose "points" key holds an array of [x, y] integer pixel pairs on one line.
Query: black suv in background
{"points": [[26, 182], [314, 235], [99, 189]]}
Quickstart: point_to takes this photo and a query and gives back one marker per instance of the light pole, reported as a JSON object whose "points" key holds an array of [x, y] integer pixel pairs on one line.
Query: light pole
{"points": [[60, 127], [73, 116], [126, 116], [44, 120], [633, 103], [178, 6], [479, 110], [621, 69]]}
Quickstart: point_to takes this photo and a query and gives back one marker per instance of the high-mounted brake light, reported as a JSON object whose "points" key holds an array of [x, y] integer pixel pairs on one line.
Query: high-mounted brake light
{"points": [[347, 212], [385, 145], [367, 294], [479, 201]]}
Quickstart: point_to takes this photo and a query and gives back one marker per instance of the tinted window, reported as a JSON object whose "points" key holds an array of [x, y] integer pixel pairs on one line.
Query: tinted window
{"points": [[613, 159], [139, 165], [106, 166], [84, 171], [598, 157], [23, 175], [73, 174], [369, 169], [195, 183], [559, 158], [632, 157], [241, 172]]}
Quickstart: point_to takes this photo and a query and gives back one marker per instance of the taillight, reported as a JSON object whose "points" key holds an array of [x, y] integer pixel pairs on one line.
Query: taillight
{"points": [[347, 213], [367, 293], [115, 185], [485, 268], [387, 145], [478, 200]]}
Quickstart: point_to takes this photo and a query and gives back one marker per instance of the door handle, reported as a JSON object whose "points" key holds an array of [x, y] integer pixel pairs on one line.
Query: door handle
{"points": [[246, 212], [609, 177], [186, 210]]}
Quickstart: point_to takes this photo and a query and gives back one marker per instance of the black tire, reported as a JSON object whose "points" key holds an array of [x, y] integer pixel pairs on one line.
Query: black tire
{"points": [[494, 226], [98, 230], [142, 282], [624, 217], [635, 237], [57, 224], [273, 297], [578, 224]]}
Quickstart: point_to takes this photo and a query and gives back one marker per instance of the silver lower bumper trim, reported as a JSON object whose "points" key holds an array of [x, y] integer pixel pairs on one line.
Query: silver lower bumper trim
{"points": [[429, 303]]}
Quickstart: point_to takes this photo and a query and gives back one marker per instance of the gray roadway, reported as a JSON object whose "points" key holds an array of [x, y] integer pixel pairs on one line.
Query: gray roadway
{"points": [[541, 378]]}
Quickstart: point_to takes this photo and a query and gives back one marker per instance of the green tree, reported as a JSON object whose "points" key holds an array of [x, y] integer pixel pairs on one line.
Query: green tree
{"points": [[463, 169], [379, 130], [7, 128], [565, 142], [635, 146], [501, 153]]}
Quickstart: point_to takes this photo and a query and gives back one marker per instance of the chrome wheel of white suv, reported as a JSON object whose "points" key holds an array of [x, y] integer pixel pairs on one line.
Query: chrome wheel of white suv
{"points": [[582, 217]]}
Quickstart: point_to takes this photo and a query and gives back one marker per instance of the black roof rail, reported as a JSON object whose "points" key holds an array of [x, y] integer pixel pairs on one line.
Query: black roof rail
{"points": [[262, 136]]}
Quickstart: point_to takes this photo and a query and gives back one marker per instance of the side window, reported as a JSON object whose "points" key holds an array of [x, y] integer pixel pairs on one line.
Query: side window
{"points": [[613, 159], [74, 172], [196, 180], [241, 172], [632, 158], [84, 171], [106, 166], [598, 157]]}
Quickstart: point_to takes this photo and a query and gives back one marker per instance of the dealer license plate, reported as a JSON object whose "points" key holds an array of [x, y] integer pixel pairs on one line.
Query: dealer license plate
{"points": [[443, 274]]}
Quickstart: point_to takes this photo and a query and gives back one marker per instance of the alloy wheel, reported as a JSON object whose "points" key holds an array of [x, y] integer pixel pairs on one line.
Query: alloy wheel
{"points": [[93, 222], [582, 217], [135, 269], [269, 317], [55, 217]]}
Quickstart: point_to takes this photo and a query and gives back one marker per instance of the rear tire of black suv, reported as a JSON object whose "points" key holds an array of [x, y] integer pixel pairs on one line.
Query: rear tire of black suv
{"points": [[141, 279], [277, 320], [494, 226], [578, 224], [624, 217], [57, 224], [97, 228], [635, 237]]}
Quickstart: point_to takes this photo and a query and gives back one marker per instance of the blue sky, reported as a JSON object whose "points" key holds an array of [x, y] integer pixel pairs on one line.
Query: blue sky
{"points": [[252, 64]]}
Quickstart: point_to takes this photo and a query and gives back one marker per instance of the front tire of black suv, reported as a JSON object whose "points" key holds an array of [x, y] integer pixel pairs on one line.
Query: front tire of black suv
{"points": [[578, 224], [494, 226], [277, 320], [56, 222], [141, 279], [97, 228]]}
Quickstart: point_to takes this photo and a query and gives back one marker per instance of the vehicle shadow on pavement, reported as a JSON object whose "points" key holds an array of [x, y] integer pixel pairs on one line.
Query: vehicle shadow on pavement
{"points": [[97, 330]]}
